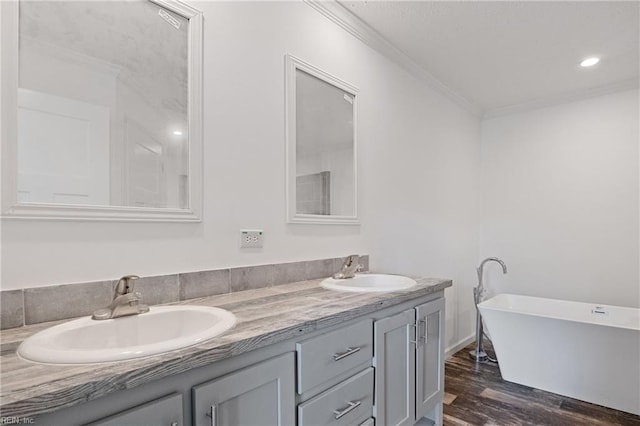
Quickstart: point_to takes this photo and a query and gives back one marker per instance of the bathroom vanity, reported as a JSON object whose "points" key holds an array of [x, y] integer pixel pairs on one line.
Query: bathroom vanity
{"points": [[299, 354]]}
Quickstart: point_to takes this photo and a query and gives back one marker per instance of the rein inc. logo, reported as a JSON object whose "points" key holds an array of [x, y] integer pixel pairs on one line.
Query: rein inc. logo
{"points": [[17, 420]]}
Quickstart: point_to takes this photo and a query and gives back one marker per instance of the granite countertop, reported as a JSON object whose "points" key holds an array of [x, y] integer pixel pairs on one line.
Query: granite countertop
{"points": [[264, 316]]}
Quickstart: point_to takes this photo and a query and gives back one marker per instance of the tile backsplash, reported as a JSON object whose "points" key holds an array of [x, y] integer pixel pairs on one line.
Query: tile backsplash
{"points": [[204, 283], [11, 308], [40, 304], [65, 301]]}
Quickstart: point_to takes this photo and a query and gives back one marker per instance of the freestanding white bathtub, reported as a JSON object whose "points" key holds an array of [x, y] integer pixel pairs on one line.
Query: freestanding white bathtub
{"points": [[580, 350]]}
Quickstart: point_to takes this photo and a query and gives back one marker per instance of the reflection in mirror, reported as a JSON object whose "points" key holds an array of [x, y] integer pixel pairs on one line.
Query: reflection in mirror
{"points": [[321, 146], [106, 124], [106, 109]]}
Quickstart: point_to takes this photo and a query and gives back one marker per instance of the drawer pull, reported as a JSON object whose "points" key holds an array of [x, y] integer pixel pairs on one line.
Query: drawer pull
{"points": [[350, 351], [352, 406]]}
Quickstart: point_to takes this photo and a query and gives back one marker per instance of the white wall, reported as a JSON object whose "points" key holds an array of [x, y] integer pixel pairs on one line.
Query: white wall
{"points": [[421, 207], [560, 202], [418, 177]]}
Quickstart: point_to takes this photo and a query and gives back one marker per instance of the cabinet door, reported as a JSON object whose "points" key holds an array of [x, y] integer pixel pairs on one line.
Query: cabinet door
{"points": [[429, 356], [394, 360], [166, 411], [260, 395]]}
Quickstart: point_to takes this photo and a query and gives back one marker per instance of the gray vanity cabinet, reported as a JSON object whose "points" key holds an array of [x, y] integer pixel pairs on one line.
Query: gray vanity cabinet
{"points": [[409, 363], [385, 367], [165, 411], [262, 394]]}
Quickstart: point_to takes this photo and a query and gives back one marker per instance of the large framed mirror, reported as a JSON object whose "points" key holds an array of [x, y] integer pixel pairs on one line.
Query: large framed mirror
{"points": [[101, 110], [321, 148]]}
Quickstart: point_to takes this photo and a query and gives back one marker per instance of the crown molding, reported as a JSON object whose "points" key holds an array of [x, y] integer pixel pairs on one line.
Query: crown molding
{"points": [[342, 17], [562, 99]]}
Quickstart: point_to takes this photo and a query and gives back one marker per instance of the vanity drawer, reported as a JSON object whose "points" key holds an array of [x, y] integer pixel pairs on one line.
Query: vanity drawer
{"points": [[323, 357], [165, 411], [348, 403]]}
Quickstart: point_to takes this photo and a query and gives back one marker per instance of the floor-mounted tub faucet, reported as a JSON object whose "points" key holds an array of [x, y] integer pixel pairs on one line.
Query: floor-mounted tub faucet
{"points": [[125, 301], [478, 354], [349, 267]]}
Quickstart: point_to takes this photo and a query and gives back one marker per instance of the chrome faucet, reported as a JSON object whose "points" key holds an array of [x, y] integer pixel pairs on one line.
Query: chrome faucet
{"points": [[349, 267], [125, 301], [478, 354]]}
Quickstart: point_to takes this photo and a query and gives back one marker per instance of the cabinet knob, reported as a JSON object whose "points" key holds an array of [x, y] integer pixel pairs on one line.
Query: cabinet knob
{"points": [[174, 423]]}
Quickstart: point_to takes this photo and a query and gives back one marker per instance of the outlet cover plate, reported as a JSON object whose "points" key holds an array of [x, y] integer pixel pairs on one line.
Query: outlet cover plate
{"points": [[251, 238]]}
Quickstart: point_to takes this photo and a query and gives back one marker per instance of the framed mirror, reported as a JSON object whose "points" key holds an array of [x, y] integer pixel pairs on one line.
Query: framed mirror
{"points": [[321, 148], [101, 110]]}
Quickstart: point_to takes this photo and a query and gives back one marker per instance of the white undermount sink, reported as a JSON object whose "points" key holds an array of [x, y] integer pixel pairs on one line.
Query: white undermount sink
{"points": [[162, 329], [365, 283]]}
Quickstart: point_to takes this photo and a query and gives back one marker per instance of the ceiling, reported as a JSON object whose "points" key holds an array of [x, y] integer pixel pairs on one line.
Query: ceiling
{"points": [[505, 55]]}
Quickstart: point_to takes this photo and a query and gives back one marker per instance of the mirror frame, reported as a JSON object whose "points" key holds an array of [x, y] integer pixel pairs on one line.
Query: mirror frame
{"points": [[12, 209], [292, 65]]}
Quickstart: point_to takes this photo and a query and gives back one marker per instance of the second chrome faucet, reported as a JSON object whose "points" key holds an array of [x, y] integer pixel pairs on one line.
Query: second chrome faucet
{"points": [[349, 267]]}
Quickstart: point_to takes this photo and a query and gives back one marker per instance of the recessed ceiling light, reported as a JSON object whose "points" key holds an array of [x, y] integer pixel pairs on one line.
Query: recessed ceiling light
{"points": [[177, 132], [589, 62]]}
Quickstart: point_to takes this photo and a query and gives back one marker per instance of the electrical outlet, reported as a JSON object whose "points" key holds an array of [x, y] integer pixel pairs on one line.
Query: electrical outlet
{"points": [[251, 238]]}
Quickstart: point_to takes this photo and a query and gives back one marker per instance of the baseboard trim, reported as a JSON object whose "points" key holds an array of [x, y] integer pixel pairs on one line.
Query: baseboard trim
{"points": [[448, 352]]}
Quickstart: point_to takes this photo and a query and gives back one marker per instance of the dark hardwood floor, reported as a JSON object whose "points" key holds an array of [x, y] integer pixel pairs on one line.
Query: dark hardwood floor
{"points": [[475, 394]]}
